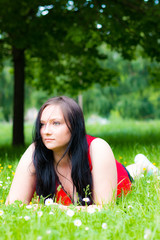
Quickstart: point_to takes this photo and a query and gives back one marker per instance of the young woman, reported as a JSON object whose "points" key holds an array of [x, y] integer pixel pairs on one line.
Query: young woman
{"points": [[67, 165]]}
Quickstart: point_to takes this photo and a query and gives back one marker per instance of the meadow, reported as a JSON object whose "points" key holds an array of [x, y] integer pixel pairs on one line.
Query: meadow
{"points": [[135, 216]]}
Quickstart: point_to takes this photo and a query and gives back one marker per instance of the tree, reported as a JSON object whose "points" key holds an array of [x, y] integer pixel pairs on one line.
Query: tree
{"points": [[64, 36], [6, 90]]}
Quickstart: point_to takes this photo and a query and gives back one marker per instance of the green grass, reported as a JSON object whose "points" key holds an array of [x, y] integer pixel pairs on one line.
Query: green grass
{"points": [[136, 216]]}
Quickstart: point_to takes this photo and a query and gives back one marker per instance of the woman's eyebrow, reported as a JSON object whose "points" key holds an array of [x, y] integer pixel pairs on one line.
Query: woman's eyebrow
{"points": [[51, 119]]}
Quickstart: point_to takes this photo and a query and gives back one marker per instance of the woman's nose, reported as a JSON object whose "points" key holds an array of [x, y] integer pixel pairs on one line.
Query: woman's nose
{"points": [[47, 128]]}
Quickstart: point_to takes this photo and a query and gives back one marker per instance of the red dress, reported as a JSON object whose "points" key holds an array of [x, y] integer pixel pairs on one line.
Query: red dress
{"points": [[123, 180]]}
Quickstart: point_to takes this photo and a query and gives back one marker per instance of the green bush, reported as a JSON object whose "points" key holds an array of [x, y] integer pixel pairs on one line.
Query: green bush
{"points": [[135, 108]]}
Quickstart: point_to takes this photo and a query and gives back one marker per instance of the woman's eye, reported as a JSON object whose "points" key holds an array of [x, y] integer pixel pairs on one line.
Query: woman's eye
{"points": [[56, 123]]}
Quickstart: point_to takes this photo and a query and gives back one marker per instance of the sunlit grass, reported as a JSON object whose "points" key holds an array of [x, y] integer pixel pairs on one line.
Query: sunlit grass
{"points": [[136, 216]]}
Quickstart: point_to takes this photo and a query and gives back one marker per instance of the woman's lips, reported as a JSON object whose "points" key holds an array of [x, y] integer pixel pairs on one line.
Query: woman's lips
{"points": [[49, 139]]}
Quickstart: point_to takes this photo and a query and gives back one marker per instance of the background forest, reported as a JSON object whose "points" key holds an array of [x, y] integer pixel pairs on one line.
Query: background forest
{"points": [[134, 92]]}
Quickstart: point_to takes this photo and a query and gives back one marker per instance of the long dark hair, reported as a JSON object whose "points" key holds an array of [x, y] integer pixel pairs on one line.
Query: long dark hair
{"points": [[77, 150]]}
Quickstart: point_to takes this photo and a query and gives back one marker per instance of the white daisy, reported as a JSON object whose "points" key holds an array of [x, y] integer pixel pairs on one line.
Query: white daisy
{"points": [[1, 212], [104, 225], [40, 213], [51, 213], [77, 222], [48, 231], [48, 201], [90, 210], [87, 228], [29, 206], [86, 199], [70, 213], [39, 237], [130, 206], [147, 233], [27, 218]]}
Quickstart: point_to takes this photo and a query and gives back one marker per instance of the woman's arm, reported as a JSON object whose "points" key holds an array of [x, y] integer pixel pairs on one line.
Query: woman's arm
{"points": [[104, 172], [24, 182]]}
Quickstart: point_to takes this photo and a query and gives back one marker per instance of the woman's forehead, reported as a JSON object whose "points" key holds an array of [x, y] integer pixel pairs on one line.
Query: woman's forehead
{"points": [[52, 112]]}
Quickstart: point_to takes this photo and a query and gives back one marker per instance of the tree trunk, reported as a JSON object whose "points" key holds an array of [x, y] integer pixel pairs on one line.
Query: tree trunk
{"points": [[18, 109]]}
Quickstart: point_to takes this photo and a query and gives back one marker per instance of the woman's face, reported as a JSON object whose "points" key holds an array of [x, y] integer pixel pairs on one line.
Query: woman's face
{"points": [[54, 130]]}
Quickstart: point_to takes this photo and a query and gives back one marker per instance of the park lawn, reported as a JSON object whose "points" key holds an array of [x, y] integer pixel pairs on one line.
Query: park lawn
{"points": [[135, 216]]}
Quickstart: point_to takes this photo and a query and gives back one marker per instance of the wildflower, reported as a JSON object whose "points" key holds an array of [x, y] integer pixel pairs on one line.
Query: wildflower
{"points": [[28, 206], [0, 164], [90, 210], [104, 225], [70, 213], [87, 228], [39, 237], [125, 162], [147, 233], [86, 199], [0, 170], [144, 169], [9, 166], [51, 213], [20, 217], [1, 201], [40, 213], [27, 218], [1, 212], [13, 173], [0, 185], [30, 203], [148, 181], [154, 163], [130, 206], [120, 157], [48, 201], [8, 178], [1, 167], [77, 222], [48, 231]]}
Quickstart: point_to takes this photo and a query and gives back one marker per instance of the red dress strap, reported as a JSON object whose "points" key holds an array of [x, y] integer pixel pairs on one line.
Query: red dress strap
{"points": [[89, 140]]}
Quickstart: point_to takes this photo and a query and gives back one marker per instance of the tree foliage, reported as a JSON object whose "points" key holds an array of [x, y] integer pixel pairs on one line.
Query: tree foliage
{"points": [[132, 97]]}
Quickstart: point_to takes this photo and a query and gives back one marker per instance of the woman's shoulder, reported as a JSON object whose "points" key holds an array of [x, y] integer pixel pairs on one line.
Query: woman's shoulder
{"points": [[27, 156], [101, 150], [97, 142]]}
